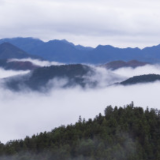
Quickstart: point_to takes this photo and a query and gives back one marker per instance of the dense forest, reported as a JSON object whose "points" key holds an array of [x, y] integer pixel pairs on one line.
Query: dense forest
{"points": [[122, 133]]}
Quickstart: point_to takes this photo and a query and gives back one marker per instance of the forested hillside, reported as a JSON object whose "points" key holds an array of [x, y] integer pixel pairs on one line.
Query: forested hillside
{"points": [[8, 51], [74, 74], [141, 79], [122, 133]]}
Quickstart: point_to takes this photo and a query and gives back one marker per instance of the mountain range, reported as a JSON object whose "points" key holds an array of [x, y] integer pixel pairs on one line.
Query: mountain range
{"points": [[9, 51], [64, 76], [64, 51]]}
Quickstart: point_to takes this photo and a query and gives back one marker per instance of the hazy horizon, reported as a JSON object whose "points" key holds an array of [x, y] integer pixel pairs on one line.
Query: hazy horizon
{"points": [[120, 23], [87, 45]]}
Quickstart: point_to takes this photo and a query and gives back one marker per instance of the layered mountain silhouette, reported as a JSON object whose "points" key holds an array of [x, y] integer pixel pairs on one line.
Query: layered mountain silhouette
{"points": [[9, 51], [64, 51], [55, 50], [64, 75], [17, 65]]}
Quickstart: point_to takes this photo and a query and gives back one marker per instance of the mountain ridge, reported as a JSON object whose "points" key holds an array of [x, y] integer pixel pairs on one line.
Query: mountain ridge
{"points": [[146, 78], [67, 52], [9, 51], [121, 133], [41, 78]]}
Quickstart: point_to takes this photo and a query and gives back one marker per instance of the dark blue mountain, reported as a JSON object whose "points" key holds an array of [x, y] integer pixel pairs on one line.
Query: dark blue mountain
{"points": [[60, 51], [26, 44], [109, 53], [64, 51], [17, 65], [8, 51], [54, 50], [103, 54]]}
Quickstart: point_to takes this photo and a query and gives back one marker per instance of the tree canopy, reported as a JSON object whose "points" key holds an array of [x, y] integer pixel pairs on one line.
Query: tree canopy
{"points": [[122, 133]]}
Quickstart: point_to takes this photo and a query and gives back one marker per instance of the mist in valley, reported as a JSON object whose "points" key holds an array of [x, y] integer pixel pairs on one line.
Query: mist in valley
{"points": [[28, 112]]}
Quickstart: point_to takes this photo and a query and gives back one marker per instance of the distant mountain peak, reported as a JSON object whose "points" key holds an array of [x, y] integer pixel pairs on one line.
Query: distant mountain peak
{"points": [[10, 47], [8, 51], [67, 52], [4, 44]]}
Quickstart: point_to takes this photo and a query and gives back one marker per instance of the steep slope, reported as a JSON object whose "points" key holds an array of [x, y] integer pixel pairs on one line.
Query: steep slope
{"points": [[8, 51], [122, 133], [26, 44]]}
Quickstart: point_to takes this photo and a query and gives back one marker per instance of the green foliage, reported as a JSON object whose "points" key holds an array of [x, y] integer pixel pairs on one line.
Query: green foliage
{"points": [[126, 133]]}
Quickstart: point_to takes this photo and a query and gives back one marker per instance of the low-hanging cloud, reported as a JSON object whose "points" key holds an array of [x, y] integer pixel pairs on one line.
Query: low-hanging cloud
{"points": [[37, 62], [130, 72], [29, 112], [9, 73], [104, 77]]}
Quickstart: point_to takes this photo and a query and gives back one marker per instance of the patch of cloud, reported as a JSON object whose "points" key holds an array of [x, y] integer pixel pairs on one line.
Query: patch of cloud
{"points": [[30, 113], [37, 62], [9, 73], [27, 112], [130, 72], [103, 77]]}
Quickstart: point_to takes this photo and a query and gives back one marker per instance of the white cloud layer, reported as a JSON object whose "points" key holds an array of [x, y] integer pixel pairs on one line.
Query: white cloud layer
{"points": [[130, 72], [37, 62], [31, 113], [120, 23], [26, 113], [8, 73]]}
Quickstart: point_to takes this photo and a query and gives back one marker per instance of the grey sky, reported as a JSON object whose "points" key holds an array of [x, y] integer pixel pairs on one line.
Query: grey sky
{"points": [[88, 22]]}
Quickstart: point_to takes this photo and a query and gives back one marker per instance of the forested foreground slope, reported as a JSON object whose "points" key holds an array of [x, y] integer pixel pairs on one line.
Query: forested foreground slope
{"points": [[128, 133]]}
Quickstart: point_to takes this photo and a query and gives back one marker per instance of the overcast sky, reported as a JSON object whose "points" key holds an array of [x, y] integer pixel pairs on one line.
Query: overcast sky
{"points": [[122, 23]]}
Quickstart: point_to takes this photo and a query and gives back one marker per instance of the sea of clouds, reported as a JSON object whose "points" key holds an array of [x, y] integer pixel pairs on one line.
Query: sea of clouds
{"points": [[27, 112]]}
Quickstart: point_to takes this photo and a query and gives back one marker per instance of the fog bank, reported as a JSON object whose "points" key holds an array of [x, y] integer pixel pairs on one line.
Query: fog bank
{"points": [[37, 62], [27, 112], [30, 113], [8, 73], [130, 72]]}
